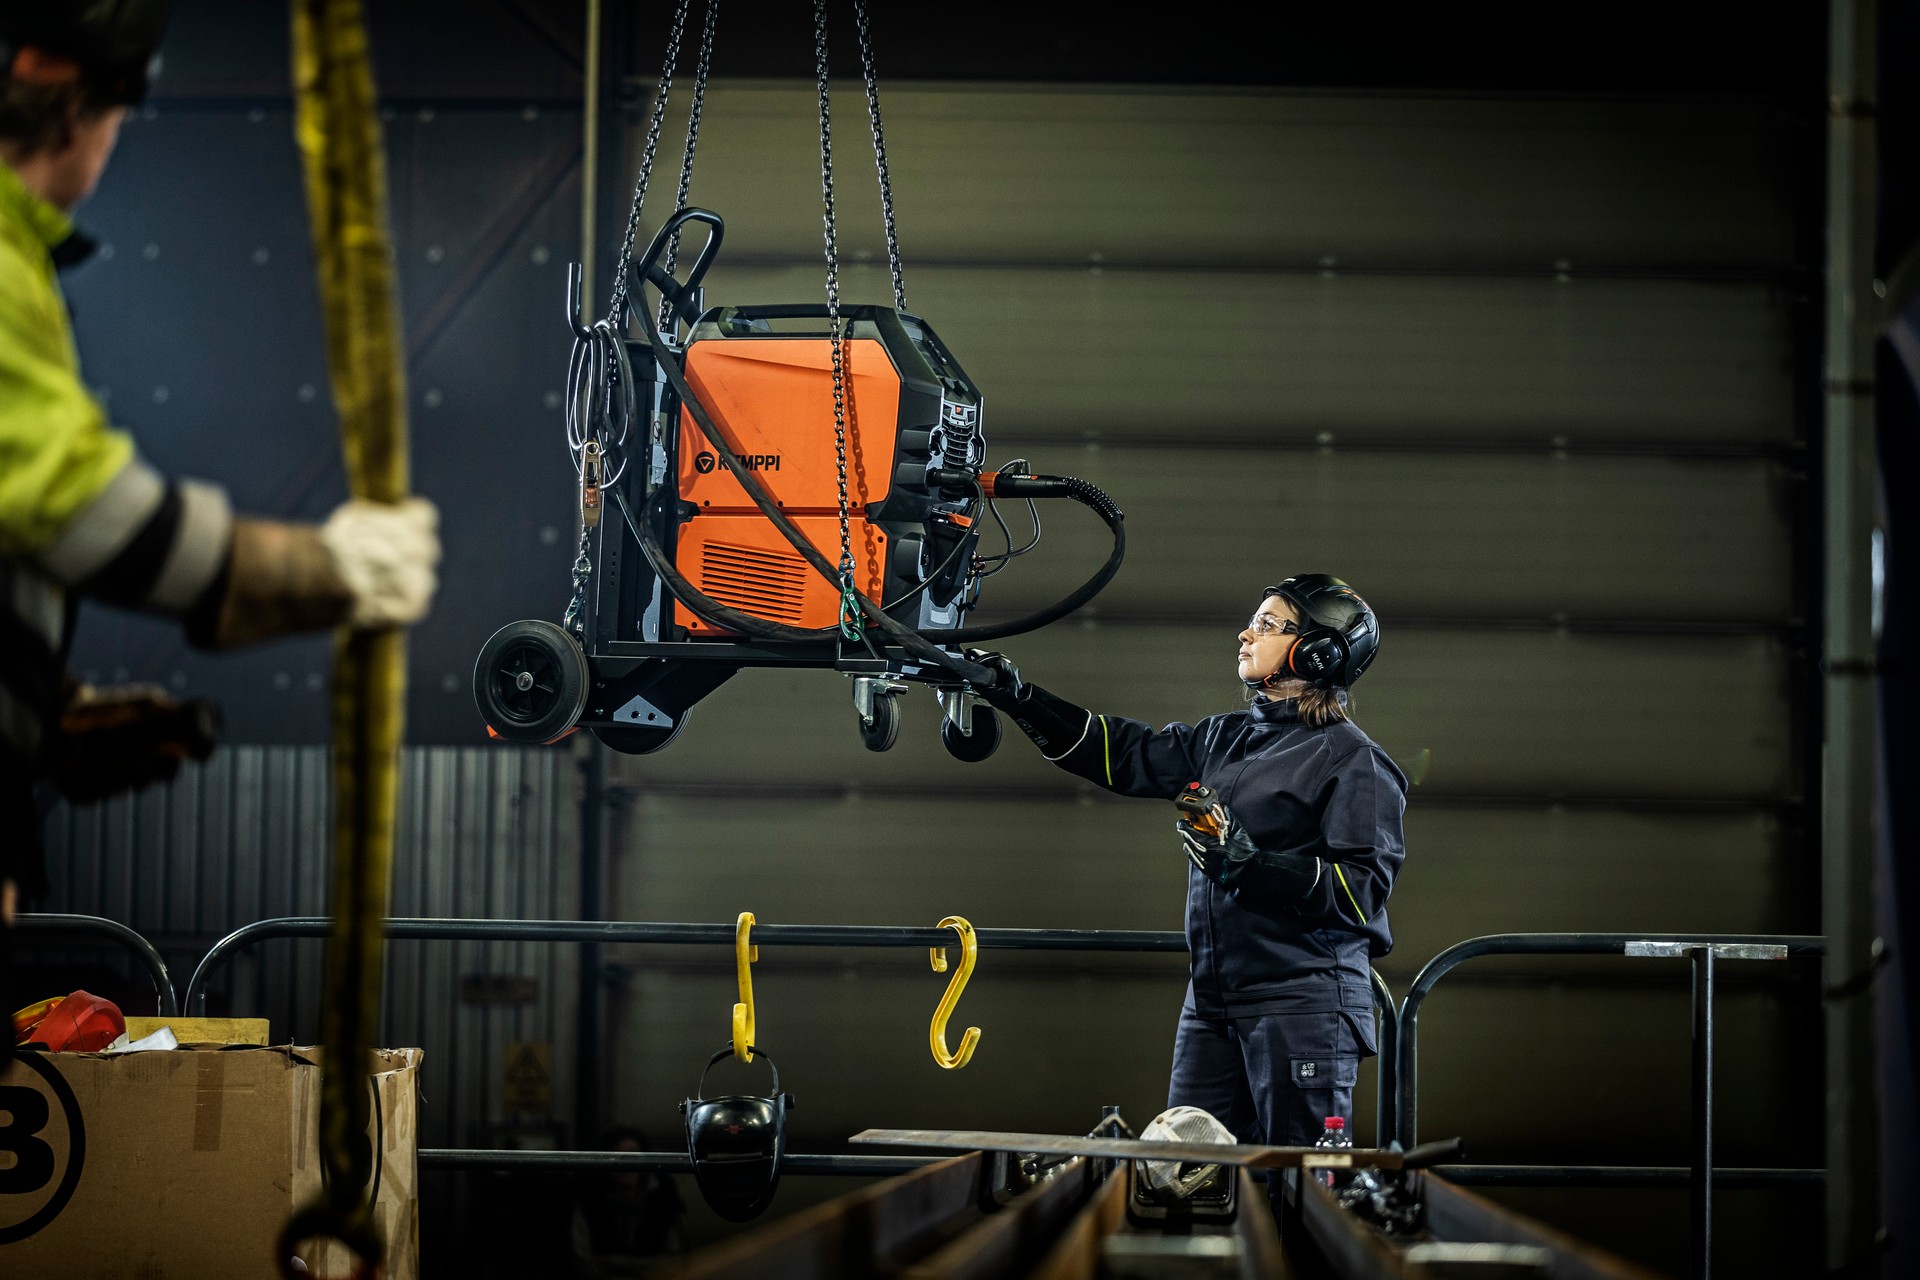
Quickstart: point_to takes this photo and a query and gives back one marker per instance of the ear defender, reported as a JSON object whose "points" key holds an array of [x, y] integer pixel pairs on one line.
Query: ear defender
{"points": [[1317, 656]]}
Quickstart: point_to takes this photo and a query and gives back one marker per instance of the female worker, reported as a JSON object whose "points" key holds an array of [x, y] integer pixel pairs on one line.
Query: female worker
{"points": [[1286, 905]]}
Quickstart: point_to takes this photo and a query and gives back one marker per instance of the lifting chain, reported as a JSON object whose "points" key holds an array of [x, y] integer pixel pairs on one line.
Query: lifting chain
{"points": [[693, 137], [617, 311], [600, 385], [852, 624], [880, 156]]}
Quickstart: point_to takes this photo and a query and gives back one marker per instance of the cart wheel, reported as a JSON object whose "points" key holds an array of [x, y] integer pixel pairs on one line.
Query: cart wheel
{"points": [[879, 733], [530, 681], [976, 746], [639, 742]]}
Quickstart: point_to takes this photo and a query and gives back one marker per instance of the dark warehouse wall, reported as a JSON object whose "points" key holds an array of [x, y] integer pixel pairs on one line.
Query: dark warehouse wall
{"points": [[1514, 333], [1526, 372]]}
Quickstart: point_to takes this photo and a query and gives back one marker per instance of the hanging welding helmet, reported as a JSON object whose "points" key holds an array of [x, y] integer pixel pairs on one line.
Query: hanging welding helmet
{"points": [[115, 43], [1339, 635], [736, 1144]]}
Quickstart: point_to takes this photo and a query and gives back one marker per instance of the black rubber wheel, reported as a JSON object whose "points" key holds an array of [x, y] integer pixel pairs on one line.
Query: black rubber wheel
{"points": [[880, 732], [976, 746], [638, 742], [530, 681]]}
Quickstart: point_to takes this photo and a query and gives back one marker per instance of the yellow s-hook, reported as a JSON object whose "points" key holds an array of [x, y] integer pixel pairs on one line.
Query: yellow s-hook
{"points": [[744, 954], [937, 1034]]}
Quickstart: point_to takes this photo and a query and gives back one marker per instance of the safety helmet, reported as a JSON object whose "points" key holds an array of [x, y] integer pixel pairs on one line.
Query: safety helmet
{"points": [[1338, 633], [116, 42], [1173, 1179], [736, 1144]]}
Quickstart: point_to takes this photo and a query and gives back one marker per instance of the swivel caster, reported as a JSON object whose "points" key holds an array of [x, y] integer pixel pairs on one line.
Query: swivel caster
{"points": [[876, 699]]}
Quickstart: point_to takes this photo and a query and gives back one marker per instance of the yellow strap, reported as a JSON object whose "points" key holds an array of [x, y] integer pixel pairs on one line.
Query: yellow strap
{"points": [[1106, 745], [338, 132], [1358, 914]]}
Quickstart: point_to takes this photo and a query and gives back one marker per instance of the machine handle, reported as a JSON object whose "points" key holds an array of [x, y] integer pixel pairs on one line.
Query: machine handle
{"points": [[680, 294]]}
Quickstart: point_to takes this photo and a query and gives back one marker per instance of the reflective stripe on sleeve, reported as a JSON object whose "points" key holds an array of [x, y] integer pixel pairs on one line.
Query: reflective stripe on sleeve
{"points": [[102, 529], [199, 547], [1340, 875]]}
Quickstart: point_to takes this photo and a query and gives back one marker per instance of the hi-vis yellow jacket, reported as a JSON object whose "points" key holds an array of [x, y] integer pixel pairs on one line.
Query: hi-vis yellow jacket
{"points": [[80, 513]]}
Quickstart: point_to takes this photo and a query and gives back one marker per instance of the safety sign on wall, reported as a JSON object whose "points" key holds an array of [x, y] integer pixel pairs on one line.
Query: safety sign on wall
{"points": [[527, 1076]]}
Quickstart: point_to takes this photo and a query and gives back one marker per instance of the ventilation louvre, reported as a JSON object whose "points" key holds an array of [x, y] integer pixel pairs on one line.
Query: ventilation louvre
{"points": [[761, 582]]}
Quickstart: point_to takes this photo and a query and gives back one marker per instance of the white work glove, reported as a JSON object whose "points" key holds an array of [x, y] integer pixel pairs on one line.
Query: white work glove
{"points": [[388, 554]]}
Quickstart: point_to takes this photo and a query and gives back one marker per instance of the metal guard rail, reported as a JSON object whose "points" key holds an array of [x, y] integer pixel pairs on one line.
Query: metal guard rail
{"points": [[795, 935], [1701, 951], [41, 922], [1543, 944]]}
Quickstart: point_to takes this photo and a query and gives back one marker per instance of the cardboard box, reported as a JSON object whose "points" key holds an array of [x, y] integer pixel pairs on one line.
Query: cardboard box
{"points": [[186, 1162]]}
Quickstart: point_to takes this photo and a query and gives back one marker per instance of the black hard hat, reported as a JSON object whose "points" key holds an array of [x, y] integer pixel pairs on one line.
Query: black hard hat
{"points": [[736, 1144], [1338, 634], [116, 42]]}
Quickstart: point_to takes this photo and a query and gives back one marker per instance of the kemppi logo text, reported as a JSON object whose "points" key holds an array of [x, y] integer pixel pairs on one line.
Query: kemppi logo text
{"points": [[704, 462]]}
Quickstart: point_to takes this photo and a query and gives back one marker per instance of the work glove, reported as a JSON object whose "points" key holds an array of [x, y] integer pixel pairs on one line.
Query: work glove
{"points": [[389, 555], [370, 565], [1227, 854], [1053, 724], [1007, 687], [126, 737]]}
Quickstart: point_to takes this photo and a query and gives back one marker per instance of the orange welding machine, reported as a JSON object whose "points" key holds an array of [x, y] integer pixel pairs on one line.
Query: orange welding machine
{"points": [[797, 486]]}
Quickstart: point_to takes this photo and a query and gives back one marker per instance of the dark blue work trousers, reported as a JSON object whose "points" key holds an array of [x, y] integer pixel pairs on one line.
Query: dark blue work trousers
{"points": [[1273, 1079]]}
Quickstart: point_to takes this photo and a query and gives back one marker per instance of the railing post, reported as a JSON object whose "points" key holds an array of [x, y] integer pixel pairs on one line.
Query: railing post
{"points": [[1702, 958]]}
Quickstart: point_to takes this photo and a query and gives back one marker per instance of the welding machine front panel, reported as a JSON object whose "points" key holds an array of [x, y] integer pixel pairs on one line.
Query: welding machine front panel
{"points": [[747, 564], [909, 408], [773, 400]]}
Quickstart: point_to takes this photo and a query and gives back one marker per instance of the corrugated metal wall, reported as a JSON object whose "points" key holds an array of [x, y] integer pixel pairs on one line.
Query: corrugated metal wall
{"points": [[1524, 371], [245, 837]]}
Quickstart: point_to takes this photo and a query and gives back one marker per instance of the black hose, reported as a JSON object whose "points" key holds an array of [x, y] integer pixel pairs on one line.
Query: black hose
{"points": [[720, 615], [1089, 495], [922, 645]]}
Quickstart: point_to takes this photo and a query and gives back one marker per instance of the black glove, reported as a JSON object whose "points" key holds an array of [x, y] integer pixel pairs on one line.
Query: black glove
{"points": [[121, 739], [1007, 688], [1055, 725], [1226, 857]]}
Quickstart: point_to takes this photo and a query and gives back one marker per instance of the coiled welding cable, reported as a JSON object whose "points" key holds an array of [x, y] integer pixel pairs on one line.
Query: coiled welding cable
{"points": [[720, 615]]}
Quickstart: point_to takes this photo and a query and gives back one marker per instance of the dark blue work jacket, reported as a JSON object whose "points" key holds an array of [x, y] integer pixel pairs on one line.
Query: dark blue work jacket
{"points": [[1329, 793]]}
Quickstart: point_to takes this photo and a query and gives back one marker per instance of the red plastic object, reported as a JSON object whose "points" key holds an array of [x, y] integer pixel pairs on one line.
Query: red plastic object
{"points": [[81, 1023]]}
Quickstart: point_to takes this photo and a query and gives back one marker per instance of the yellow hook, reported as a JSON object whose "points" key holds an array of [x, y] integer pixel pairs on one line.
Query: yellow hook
{"points": [[744, 954], [937, 1034]]}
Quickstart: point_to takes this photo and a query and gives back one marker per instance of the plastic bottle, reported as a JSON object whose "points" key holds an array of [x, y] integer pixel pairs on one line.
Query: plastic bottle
{"points": [[1334, 1137]]}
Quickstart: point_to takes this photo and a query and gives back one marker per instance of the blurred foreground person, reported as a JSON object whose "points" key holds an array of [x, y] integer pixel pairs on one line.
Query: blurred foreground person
{"points": [[82, 515]]}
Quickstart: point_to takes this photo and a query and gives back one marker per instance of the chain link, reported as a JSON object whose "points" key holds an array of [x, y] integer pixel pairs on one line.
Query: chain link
{"points": [[618, 310], [880, 156], [851, 625], [693, 137], [599, 369], [575, 620]]}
